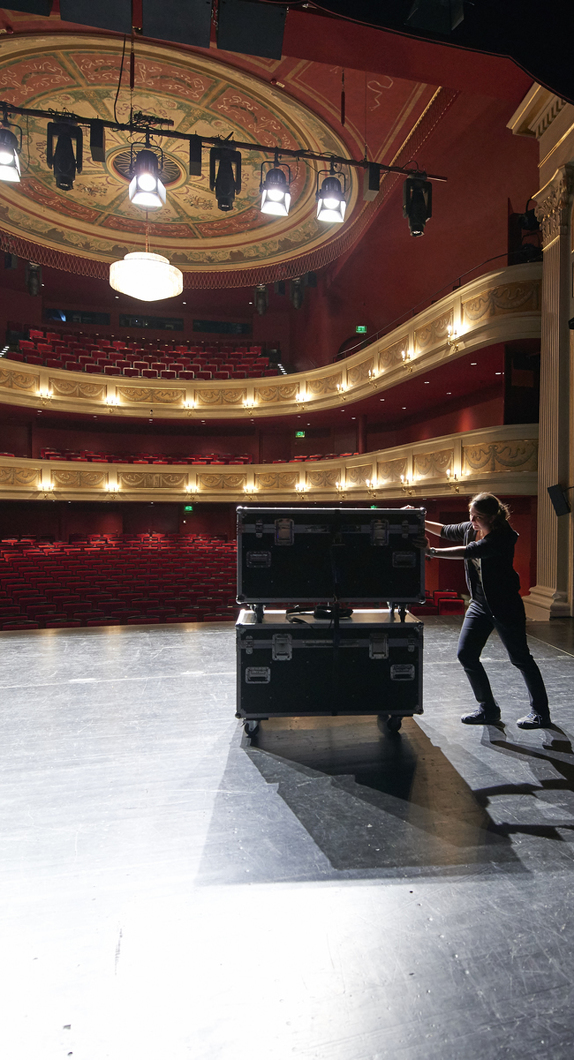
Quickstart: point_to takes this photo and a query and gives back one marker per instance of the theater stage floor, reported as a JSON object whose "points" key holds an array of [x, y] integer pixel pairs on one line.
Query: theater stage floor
{"points": [[327, 893]]}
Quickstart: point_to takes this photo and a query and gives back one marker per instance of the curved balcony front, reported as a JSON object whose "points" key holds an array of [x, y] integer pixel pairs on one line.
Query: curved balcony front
{"points": [[501, 306], [501, 459]]}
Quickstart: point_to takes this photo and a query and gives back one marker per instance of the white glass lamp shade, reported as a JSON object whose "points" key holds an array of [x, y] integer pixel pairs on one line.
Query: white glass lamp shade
{"points": [[331, 203], [149, 277], [146, 189], [275, 194], [9, 159]]}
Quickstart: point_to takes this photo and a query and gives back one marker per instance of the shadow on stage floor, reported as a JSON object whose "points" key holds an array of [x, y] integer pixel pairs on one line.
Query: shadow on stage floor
{"points": [[361, 804]]}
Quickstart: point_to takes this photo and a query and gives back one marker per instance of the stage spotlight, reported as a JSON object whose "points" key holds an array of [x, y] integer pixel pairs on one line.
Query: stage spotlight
{"points": [[296, 292], [227, 182], [63, 160], [331, 204], [274, 188], [9, 156], [146, 189], [33, 278], [417, 202], [261, 299]]}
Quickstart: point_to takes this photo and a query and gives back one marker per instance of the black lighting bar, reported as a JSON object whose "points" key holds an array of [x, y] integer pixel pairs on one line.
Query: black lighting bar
{"points": [[152, 126]]}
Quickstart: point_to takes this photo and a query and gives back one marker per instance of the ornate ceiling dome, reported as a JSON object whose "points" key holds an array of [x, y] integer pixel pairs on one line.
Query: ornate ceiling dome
{"points": [[95, 220]]}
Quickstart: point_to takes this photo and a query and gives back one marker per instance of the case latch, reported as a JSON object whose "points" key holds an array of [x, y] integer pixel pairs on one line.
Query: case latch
{"points": [[284, 531], [379, 532], [281, 647], [378, 646]]}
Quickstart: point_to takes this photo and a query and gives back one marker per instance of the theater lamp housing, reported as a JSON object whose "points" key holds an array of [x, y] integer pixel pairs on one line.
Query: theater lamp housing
{"points": [[9, 156], [146, 189], [274, 188]]}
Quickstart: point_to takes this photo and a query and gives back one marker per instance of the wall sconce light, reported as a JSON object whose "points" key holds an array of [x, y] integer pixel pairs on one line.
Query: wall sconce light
{"points": [[250, 490], [407, 485], [342, 390], [112, 401], [113, 487], [372, 485], [146, 189], [249, 403], [451, 339], [301, 487], [452, 480], [189, 404], [406, 356], [373, 376], [45, 395], [192, 488], [341, 487]]}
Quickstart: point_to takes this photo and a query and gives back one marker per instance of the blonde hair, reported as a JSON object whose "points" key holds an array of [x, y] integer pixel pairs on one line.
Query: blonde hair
{"points": [[488, 505]]}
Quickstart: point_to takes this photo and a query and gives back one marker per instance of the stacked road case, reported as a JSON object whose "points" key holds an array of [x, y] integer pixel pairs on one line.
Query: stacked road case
{"points": [[314, 658]]}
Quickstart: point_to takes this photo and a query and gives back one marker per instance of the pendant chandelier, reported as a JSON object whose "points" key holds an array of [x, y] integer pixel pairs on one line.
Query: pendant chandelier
{"points": [[146, 276]]}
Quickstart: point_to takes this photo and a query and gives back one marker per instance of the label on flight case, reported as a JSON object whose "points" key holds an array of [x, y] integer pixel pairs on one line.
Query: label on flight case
{"points": [[259, 559], [404, 559]]}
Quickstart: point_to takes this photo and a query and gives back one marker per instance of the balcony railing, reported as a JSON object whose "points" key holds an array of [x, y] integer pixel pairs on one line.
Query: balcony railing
{"points": [[498, 459], [498, 307]]}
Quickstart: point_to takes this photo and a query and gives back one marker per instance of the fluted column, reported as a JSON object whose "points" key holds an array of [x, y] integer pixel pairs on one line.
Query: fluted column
{"points": [[552, 595]]}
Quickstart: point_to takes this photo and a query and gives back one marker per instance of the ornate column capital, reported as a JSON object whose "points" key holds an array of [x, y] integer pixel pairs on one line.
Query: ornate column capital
{"points": [[553, 203]]}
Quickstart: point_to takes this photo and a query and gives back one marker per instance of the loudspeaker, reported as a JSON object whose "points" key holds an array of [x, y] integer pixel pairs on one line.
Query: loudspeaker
{"points": [[106, 14], [437, 16], [195, 156], [253, 29], [559, 502], [371, 182], [98, 141], [33, 7], [184, 23]]}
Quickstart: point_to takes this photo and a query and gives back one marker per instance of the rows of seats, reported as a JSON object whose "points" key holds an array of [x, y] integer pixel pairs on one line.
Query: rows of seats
{"points": [[439, 602], [113, 580], [136, 359], [315, 456], [97, 457]]}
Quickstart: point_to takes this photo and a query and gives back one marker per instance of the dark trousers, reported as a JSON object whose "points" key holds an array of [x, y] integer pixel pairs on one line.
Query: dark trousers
{"points": [[476, 629]]}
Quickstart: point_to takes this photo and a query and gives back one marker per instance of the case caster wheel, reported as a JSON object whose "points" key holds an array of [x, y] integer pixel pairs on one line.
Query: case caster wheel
{"points": [[394, 723], [382, 720], [251, 728]]}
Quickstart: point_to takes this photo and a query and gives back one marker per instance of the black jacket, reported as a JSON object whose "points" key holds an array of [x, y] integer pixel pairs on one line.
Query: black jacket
{"points": [[500, 581]]}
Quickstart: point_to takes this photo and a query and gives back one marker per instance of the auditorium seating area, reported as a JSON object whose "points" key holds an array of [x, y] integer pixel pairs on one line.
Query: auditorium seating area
{"points": [[440, 602], [139, 359], [91, 456], [116, 580]]}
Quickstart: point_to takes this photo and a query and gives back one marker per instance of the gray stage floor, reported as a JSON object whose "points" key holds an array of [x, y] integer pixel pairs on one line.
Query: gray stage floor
{"points": [[170, 890]]}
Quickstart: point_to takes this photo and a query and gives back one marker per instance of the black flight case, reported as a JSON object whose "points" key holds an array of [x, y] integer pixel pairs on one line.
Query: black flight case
{"points": [[305, 668], [316, 555]]}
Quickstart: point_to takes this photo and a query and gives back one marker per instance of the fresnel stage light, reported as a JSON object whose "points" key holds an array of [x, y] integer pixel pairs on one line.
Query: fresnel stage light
{"points": [[274, 188], [146, 189], [331, 202], [10, 148]]}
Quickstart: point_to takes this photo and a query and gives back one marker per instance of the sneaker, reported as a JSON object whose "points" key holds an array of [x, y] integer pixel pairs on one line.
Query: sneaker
{"points": [[482, 716], [534, 721]]}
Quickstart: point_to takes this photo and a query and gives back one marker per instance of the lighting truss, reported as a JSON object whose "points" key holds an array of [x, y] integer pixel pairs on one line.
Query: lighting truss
{"points": [[149, 125]]}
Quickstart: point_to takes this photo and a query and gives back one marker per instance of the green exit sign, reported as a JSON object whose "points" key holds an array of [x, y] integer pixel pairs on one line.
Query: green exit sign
{"points": [[361, 329], [299, 434], [188, 508]]}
